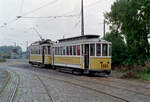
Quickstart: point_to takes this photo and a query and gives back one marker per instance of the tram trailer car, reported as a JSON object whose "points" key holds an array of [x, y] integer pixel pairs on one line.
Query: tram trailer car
{"points": [[87, 53], [40, 53]]}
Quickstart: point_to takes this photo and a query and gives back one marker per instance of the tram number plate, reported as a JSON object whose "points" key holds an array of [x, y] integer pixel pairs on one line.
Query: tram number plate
{"points": [[104, 65]]}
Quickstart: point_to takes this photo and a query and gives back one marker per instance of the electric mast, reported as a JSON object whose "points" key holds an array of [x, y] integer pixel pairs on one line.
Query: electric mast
{"points": [[82, 18]]}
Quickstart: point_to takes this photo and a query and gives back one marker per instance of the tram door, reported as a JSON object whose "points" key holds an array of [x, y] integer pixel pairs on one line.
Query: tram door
{"points": [[43, 54], [86, 57]]}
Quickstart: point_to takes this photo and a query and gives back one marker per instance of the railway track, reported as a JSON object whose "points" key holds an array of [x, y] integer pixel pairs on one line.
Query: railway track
{"points": [[5, 83], [9, 92], [109, 85], [116, 87], [122, 83], [82, 86], [45, 87]]}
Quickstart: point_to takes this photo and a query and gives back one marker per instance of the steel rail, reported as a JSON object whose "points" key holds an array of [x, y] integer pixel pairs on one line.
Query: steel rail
{"points": [[16, 88], [90, 89], [117, 87], [86, 87], [45, 87]]}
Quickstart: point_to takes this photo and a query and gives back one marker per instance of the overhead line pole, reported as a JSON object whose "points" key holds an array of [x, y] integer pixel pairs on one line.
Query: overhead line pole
{"points": [[82, 18], [104, 31]]}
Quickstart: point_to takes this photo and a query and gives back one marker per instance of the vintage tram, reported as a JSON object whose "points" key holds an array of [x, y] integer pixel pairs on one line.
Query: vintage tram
{"points": [[40, 53], [86, 53]]}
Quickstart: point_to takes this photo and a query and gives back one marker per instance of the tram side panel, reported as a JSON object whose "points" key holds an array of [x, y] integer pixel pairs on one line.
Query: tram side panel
{"points": [[100, 64], [48, 60], [67, 61], [35, 58], [100, 57], [37, 53]]}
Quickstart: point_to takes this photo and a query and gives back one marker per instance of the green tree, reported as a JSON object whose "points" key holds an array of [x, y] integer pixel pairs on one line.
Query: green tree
{"points": [[119, 48], [131, 19]]}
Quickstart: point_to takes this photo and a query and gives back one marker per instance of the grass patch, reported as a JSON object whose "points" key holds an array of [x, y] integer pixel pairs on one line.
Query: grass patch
{"points": [[144, 76]]}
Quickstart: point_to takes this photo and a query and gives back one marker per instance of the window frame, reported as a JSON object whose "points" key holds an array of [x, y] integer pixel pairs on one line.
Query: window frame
{"points": [[100, 49], [78, 54], [75, 50], [90, 54], [106, 53], [71, 50]]}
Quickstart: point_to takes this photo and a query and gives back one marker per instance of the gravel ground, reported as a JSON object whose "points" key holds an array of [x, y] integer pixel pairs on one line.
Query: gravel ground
{"points": [[45, 85], [4, 77]]}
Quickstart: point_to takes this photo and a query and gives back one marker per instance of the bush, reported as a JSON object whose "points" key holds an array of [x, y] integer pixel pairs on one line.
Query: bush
{"points": [[2, 60], [131, 75], [147, 70], [119, 49], [6, 57]]}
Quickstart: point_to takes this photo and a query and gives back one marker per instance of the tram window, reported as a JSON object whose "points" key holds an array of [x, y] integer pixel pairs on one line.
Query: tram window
{"points": [[104, 50], [60, 50], [70, 50], [35, 51], [39, 51], [49, 50], [46, 50], [98, 49], [78, 49], [74, 50], [31, 51], [67, 50], [56, 51], [64, 50], [82, 49], [92, 49], [110, 50]]}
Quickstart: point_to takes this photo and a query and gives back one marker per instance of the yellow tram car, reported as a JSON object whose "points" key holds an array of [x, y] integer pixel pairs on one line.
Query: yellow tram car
{"points": [[83, 53], [86, 53], [40, 53]]}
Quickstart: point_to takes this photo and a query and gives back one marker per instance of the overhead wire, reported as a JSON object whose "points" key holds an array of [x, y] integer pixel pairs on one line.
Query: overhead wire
{"points": [[18, 17], [41, 7], [54, 16]]}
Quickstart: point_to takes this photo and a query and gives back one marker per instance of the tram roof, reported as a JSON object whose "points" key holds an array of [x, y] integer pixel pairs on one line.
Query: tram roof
{"points": [[41, 42], [79, 38]]}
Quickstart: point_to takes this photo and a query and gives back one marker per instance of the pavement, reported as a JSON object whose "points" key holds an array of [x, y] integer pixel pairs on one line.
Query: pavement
{"points": [[24, 83]]}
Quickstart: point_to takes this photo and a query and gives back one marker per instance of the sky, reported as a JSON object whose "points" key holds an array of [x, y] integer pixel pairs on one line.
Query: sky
{"points": [[52, 19]]}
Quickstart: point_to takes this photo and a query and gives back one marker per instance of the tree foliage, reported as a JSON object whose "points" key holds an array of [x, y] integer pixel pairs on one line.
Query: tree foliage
{"points": [[131, 19], [5, 51], [119, 49]]}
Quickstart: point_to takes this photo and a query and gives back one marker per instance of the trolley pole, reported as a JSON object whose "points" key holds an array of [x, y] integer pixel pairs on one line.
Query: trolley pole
{"points": [[26, 45], [82, 18], [104, 27]]}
